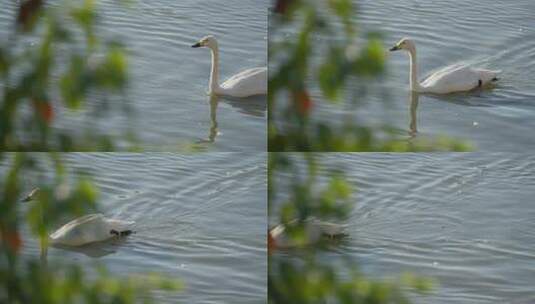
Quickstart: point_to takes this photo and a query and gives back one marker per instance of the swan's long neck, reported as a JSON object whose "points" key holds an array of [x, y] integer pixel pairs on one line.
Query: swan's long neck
{"points": [[214, 73], [414, 84]]}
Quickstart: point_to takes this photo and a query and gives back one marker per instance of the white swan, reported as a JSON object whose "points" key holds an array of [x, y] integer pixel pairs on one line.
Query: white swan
{"points": [[314, 229], [86, 229], [455, 78], [246, 83]]}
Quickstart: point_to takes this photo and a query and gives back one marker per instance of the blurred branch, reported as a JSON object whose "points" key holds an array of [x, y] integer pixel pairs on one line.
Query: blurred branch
{"points": [[45, 68], [30, 279], [33, 99], [325, 53], [299, 275]]}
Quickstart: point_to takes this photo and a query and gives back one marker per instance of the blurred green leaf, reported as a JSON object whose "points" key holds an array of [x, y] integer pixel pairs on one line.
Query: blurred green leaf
{"points": [[29, 279], [307, 39], [302, 274], [73, 83], [86, 68], [85, 16], [111, 73], [4, 63]]}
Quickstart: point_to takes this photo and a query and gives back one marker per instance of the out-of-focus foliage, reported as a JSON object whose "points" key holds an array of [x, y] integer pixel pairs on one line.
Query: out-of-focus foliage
{"points": [[46, 37], [298, 276], [53, 60], [32, 280], [326, 30]]}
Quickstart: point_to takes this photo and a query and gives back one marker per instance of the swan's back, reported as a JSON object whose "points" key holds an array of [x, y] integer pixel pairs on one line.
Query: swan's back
{"points": [[246, 83], [87, 229], [457, 78]]}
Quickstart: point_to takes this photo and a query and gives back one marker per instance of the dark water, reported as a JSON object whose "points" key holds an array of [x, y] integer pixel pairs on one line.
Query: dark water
{"points": [[498, 35], [199, 218], [169, 79], [464, 219]]}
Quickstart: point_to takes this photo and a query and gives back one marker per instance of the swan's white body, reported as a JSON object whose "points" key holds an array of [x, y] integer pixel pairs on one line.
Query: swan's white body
{"points": [[88, 229], [315, 230], [455, 78], [246, 83]]}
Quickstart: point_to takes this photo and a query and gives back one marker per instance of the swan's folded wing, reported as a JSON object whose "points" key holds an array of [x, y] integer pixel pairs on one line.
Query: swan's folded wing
{"points": [[452, 79], [82, 230], [245, 74], [99, 217], [440, 72], [248, 82]]}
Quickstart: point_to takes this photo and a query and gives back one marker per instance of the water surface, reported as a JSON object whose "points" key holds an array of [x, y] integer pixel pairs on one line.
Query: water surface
{"points": [[199, 218], [498, 35], [169, 79], [463, 219]]}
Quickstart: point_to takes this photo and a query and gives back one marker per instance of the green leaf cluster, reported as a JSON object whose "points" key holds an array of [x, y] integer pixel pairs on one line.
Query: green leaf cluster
{"points": [[299, 275], [53, 61], [327, 52], [32, 279]]}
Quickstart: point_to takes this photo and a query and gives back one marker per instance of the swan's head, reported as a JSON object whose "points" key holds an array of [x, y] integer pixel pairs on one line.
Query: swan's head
{"points": [[208, 41], [32, 196], [403, 44]]}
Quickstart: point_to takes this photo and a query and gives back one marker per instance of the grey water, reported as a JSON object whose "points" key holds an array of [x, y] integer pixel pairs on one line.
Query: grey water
{"points": [[199, 218], [168, 79], [497, 35], [465, 220]]}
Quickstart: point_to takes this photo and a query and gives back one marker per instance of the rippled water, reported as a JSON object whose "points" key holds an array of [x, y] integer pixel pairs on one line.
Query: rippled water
{"points": [[497, 35], [169, 79], [464, 219], [200, 218]]}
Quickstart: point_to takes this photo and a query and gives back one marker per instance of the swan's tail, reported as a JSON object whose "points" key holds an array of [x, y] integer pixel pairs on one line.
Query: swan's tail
{"points": [[121, 233], [495, 78], [488, 76]]}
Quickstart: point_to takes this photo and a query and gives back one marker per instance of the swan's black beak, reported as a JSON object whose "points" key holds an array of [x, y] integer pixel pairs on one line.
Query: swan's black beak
{"points": [[196, 45], [395, 48]]}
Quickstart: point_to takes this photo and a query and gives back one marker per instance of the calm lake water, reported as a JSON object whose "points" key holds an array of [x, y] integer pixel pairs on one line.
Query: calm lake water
{"points": [[496, 35], [169, 79], [464, 219], [200, 218]]}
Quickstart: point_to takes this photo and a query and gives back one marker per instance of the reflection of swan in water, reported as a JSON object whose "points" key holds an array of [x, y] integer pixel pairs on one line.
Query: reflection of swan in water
{"points": [[86, 229], [315, 231], [213, 132], [244, 84], [255, 107], [413, 125], [414, 100], [96, 249], [93, 250]]}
